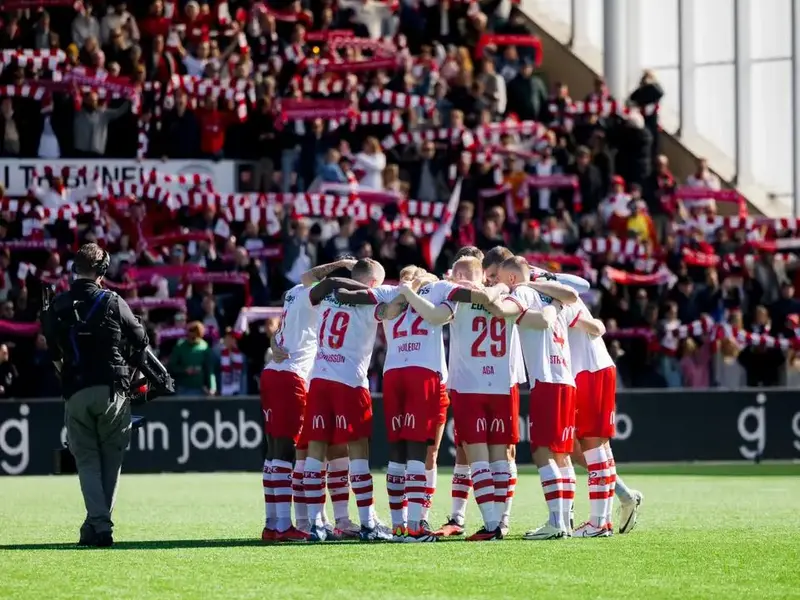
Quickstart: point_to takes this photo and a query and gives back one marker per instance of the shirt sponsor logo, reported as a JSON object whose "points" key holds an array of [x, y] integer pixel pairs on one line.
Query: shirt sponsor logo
{"points": [[411, 421], [567, 433], [341, 422], [480, 424], [318, 422], [498, 426]]}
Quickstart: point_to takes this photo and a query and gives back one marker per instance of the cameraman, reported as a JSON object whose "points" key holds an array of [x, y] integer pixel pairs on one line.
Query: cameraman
{"points": [[86, 329]]}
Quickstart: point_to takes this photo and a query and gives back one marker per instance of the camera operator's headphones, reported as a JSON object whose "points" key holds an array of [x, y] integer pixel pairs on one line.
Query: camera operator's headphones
{"points": [[99, 267]]}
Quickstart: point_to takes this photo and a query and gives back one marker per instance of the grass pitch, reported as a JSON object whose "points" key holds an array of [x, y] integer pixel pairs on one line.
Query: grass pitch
{"points": [[704, 532]]}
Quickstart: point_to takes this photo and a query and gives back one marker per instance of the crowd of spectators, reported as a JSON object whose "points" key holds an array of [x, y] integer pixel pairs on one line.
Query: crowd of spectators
{"points": [[689, 298]]}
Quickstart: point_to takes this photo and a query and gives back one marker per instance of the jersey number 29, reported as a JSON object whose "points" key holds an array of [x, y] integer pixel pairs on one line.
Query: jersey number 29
{"points": [[495, 330]]}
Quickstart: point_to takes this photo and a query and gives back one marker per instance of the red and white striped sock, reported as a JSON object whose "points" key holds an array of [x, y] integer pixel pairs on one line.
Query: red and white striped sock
{"points": [[500, 477], [597, 465], [415, 492], [483, 488], [550, 476], [314, 487], [339, 487], [612, 487], [299, 495], [430, 482], [459, 492], [395, 487], [269, 502], [282, 493], [361, 481], [569, 483], [512, 486]]}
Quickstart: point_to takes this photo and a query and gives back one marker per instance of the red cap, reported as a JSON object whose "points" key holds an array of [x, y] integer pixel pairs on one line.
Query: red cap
{"points": [[617, 180]]}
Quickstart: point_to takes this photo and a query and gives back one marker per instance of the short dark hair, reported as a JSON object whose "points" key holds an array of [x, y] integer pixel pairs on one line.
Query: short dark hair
{"points": [[468, 251], [496, 256], [87, 259]]}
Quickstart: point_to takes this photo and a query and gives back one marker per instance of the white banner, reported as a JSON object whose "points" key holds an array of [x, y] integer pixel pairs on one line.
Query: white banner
{"points": [[17, 175]]}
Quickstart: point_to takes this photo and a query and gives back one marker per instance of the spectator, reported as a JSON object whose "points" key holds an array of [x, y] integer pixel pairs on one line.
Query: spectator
{"points": [[299, 254], [531, 239], [40, 39], [646, 97], [640, 225], [191, 364], [729, 373], [527, 94], [91, 126], [85, 25], [428, 182], [318, 158], [763, 365], [214, 125], [785, 306], [118, 20], [12, 35], [695, 365], [766, 274], [710, 297], [9, 377], [340, 245], [232, 366], [262, 128], [12, 130], [590, 182], [181, 132], [635, 144], [372, 162], [494, 87]]}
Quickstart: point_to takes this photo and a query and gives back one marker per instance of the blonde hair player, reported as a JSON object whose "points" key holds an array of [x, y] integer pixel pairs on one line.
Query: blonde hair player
{"points": [[485, 370]]}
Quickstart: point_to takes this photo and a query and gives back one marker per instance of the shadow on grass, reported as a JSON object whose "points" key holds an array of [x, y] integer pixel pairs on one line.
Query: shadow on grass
{"points": [[185, 544]]}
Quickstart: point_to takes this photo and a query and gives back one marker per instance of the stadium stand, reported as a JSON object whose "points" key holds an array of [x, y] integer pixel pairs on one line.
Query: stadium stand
{"points": [[351, 123]]}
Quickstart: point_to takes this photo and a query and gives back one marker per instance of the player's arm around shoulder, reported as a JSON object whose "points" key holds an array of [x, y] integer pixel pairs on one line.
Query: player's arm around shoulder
{"points": [[525, 306], [328, 285], [558, 291], [320, 272], [588, 324], [438, 314], [510, 305]]}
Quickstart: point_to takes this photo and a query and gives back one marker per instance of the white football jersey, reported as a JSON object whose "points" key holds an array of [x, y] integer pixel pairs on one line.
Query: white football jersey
{"points": [[485, 352], [587, 353], [297, 333], [345, 340], [546, 351], [410, 340]]}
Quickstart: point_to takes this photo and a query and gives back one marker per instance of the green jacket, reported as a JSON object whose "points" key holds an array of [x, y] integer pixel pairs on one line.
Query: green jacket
{"points": [[197, 358]]}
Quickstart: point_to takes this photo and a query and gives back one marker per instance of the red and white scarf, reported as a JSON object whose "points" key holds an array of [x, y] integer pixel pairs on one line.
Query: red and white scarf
{"points": [[231, 367]]}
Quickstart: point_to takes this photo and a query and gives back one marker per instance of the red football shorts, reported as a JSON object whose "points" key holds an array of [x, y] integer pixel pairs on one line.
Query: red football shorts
{"points": [[552, 417], [283, 400], [411, 403], [336, 413], [487, 418], [595, 403], [444, 402]]}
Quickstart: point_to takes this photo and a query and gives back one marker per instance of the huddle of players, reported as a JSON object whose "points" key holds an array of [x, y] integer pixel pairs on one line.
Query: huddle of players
{"points": [[504, 315]]}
